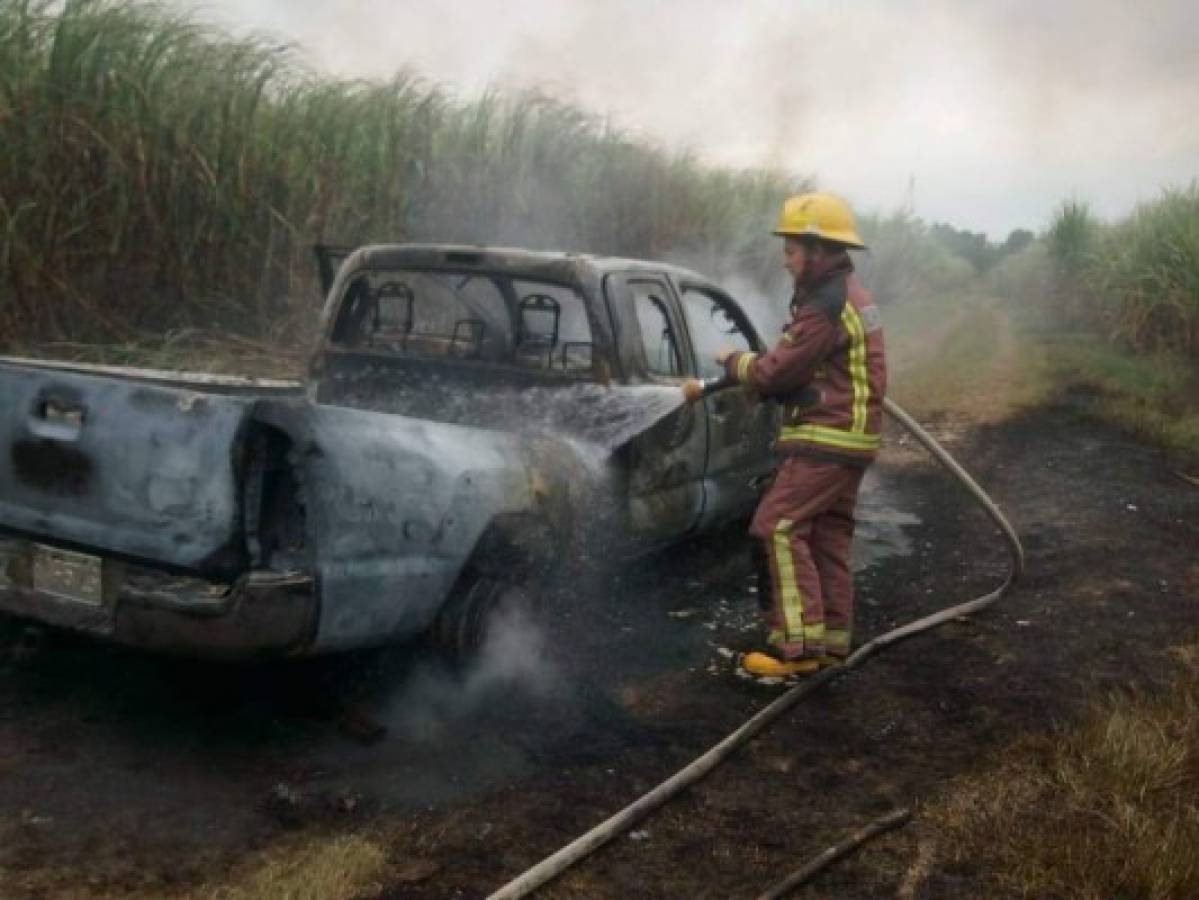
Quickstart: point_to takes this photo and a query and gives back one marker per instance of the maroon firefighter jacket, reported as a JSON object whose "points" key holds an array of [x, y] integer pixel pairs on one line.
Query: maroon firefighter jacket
{"points": [[828, 371]]}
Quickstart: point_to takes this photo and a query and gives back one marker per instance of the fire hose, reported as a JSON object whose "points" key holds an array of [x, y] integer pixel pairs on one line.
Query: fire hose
{"points": [[552, 866]]}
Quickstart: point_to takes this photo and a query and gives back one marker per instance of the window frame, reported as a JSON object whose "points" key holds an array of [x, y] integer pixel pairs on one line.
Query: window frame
{"points": [[735, 310], [674, 317], [505, 284]]}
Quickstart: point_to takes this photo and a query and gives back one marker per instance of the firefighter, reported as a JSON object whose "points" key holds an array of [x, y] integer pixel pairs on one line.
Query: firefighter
{"points": [[828, 373]]}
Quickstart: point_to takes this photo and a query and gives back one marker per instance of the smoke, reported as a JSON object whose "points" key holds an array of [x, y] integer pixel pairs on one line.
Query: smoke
{"points": [[768, 309], [439, 697], [577, 430], [997, 110]]}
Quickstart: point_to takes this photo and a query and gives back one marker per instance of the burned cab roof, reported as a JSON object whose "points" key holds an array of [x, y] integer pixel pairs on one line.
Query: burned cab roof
{"points": [[568, 268]]}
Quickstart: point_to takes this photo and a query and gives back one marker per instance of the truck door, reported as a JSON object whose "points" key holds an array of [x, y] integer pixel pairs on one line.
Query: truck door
{"points": [[740, 426], [665, 464]]}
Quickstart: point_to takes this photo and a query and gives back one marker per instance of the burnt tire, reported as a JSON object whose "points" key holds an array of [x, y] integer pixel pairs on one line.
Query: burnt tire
{"points": [[470, 616]]}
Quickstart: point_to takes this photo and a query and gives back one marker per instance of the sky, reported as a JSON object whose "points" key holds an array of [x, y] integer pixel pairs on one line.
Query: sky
{"points": [[982, 113]]}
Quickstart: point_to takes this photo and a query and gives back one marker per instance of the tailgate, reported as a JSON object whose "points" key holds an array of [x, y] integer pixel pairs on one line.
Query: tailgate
{"points": [[134, 469]]}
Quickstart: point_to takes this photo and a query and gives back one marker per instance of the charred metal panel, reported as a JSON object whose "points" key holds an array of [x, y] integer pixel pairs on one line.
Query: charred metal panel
{"points": [[259, 614], [128, 468], [264, 615], [201, 381], [397, 506], [666, 462], [741, 427]]}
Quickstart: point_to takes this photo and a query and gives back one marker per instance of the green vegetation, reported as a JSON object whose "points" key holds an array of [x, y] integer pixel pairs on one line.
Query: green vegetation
{"points": [[907, 264], [163, 183], [1136, 281], [1116, 307], [158, 176], [1150, 265], [976, 248], [1072, 238], [1102, 809], [1155, 396]]}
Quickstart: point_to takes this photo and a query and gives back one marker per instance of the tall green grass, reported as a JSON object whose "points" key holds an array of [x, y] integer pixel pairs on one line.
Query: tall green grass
{"points": [[1136, 280], [1116, 307], [157, 174], [1150, 264], [1072, 236], [1073, 240]]}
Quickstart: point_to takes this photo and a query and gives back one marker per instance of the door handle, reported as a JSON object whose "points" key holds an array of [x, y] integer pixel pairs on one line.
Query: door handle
{"points": [[57, 418]]}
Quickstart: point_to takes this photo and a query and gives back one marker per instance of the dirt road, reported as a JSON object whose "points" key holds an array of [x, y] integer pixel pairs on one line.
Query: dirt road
{"points": [[121, 773]]}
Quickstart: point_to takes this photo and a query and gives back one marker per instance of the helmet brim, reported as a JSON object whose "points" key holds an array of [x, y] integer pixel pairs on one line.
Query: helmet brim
{"points": [[853, 242]]}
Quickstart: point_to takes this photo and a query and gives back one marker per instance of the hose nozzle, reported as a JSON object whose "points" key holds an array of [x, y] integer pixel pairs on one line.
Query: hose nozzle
{"points": [[694, 388], [712, 385]]}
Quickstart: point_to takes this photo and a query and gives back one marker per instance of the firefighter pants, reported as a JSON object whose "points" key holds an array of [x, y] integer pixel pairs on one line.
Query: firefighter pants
{"points": [[805, 523]]}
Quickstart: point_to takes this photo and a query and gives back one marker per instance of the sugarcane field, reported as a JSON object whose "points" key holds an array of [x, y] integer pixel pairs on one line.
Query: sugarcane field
{"points": [[598, 450]]}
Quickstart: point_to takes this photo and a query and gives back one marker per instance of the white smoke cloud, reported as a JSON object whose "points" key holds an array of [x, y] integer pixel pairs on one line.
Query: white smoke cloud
{"points": [[436, 698], [996, 110]]}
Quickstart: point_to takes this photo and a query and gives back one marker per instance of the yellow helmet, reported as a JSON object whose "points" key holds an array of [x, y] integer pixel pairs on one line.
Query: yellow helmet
{"points": [[819, 214]]}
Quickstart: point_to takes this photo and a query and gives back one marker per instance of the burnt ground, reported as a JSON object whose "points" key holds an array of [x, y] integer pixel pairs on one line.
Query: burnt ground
{"points": [[124, 773]]}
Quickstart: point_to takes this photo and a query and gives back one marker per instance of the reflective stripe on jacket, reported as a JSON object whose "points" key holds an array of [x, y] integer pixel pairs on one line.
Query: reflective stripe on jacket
{"points": [[828, 371]]}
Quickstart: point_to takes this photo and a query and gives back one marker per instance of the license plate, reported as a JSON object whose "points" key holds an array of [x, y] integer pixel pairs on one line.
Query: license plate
{"points": [[67, 575]]}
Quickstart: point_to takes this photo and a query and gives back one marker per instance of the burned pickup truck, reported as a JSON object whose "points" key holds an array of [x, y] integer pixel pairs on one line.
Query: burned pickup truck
{"points": [[471, 419]]}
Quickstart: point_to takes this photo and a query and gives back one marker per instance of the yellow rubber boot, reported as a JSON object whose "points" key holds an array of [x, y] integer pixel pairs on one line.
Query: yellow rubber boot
{"points": [[763, 665]]}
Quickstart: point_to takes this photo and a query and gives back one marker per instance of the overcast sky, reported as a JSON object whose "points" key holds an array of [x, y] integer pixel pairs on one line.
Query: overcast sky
{"points": [[993, 110]]}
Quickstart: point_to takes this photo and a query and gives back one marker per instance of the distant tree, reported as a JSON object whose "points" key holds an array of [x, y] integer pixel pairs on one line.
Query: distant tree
{"points": [[1017, 241], [972, 246]]}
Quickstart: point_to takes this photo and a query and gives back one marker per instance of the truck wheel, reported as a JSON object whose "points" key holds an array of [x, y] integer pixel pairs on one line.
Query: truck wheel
{"points": [[469, 618]]}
